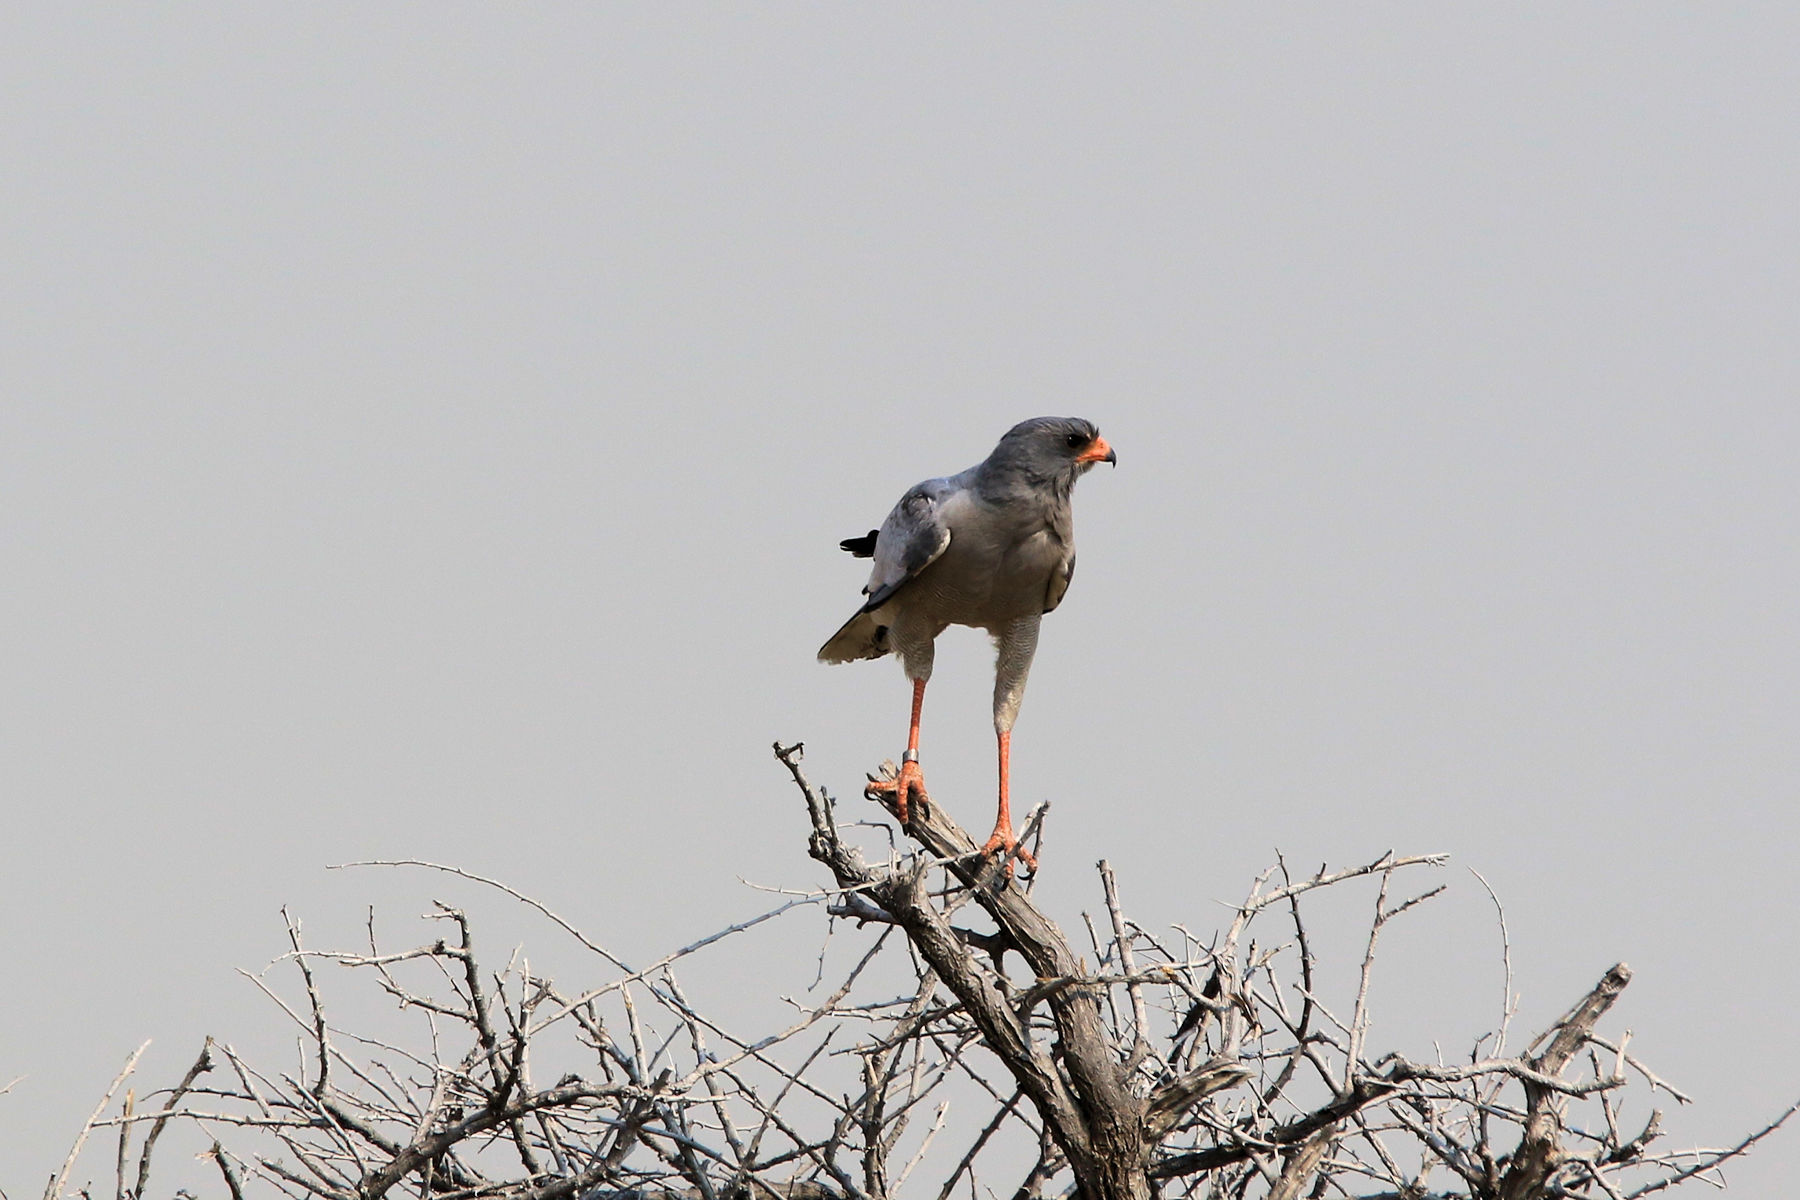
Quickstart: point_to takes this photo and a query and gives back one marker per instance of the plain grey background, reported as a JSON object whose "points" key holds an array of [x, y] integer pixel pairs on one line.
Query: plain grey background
{"points": [[425, 431]]}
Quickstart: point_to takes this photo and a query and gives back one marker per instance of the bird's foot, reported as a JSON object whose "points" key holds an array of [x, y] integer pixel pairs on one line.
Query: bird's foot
{"points": [[1002, 839], [909, 780]]}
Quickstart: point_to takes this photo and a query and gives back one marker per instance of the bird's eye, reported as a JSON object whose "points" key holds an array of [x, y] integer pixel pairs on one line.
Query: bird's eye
{"points": [[1077, 441]]}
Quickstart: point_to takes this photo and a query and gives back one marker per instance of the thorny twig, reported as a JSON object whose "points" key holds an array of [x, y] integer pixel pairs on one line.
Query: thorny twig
{"points": [[1236, 1067]]}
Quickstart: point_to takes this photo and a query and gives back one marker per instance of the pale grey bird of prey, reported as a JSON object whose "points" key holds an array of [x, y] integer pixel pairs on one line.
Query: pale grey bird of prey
{"points": [[992, 547]]}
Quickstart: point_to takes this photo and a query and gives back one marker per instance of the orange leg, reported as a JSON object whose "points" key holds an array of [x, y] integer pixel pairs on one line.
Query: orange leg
{"points": [[1002, 838], [911, 778]]}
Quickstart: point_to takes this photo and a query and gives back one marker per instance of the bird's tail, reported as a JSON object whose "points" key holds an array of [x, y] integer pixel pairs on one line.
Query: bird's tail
{"points": [[861, 637]]}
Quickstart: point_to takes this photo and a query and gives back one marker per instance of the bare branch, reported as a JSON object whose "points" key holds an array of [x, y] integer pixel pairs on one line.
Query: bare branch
{"points": [[1214, 1064], [54, 1190], [201, 1065]]}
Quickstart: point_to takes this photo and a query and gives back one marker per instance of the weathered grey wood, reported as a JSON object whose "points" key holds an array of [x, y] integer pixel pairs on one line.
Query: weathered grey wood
{"points": [[1540, 1151], [1104, 1135], [1237, 1072]]}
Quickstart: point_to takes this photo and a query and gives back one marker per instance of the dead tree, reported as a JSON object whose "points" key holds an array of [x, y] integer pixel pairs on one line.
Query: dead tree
{"points": [[1169, 1065]]}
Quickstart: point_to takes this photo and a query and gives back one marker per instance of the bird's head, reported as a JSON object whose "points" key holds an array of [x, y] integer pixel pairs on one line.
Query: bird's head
{"points": [[1053, 448]]}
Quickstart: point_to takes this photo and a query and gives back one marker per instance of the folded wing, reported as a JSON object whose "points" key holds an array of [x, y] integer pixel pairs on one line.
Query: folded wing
{"points": [[913, 537]]}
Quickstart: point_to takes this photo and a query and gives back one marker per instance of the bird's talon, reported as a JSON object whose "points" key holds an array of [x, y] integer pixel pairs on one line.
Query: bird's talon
{"points": [[907, 782], [1009, 849]]}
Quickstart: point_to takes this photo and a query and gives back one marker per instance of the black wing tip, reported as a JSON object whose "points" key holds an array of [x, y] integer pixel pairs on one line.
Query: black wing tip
{"points": [[861, 547]]}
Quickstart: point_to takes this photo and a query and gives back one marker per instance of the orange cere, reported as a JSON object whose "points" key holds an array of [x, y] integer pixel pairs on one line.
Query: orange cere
{"points": [[1099, 451]]}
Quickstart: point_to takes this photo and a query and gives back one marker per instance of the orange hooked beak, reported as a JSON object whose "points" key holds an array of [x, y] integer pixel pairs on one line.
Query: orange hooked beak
{"points": [[1098, 451]]}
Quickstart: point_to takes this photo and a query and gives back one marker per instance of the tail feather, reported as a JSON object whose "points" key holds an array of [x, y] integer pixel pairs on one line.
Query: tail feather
{"points": [[862, 547], [861, 637]]}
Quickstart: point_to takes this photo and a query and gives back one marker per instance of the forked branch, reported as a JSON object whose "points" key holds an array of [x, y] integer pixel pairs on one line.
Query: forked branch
{"points": [[1230, 1064]]}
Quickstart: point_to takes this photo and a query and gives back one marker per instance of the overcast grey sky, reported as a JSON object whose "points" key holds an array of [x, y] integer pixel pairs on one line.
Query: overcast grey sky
{"points": [[425, 431]]}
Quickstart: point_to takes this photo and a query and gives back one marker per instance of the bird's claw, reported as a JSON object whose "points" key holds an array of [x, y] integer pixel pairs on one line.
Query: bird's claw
{"points": [[1009, 848], [903, 784]]}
